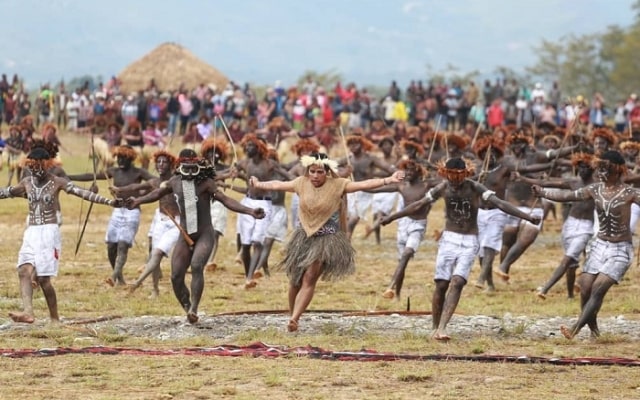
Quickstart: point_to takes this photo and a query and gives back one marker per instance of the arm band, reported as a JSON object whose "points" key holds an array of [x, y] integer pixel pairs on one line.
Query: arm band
{"points": [[5, 193], [486, 194], [87, 194], [429, 196]]}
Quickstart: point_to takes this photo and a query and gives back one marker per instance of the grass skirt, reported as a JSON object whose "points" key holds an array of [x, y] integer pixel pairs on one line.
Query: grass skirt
{"points": [[333, 250]]}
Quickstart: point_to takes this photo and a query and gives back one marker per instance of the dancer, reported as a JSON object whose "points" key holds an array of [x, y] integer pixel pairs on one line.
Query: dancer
{"points": [[458, 245], [319, 248], [411, 228], [164, 232], [193, 187], [577, 230], [124, 223], [41, 246], [611, 252]]}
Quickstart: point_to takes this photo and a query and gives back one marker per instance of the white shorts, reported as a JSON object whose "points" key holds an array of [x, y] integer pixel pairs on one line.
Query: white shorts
{"points": [[41, 246], [514, 221], [456, 254], [164, 233], [635, 216], [576, 233], [490, 228], [253, 230], [410, 234], [359, 204], [123, 225], [383, 202], [295, 203], [219, 217], [278, 223], [609, 258]]}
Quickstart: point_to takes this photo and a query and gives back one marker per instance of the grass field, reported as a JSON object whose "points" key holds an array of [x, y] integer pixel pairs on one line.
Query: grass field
{"points": [[82, 294]]}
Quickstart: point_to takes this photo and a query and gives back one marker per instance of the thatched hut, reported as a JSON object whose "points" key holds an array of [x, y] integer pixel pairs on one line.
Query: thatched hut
{"points": [[170, 65]]}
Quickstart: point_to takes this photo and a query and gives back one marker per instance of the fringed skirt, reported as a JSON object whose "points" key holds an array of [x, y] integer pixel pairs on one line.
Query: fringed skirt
{"points": [[333, 250]]}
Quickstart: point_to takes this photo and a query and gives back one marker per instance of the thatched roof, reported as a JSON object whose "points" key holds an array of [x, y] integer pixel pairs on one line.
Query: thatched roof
{"points": [[170, 65]]}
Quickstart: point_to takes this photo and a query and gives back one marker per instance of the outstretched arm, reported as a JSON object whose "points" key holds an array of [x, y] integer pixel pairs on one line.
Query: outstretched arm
{"points": [[282, 186], [236, 206], [13, 191], [88, 195], [388, 188], [432, 195], [154, 195], [396, 177], [509, 208], [552, 183], [87, 177], [561, 195]]}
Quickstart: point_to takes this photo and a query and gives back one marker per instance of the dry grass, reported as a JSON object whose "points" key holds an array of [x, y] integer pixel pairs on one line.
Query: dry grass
{"points": [[81, 294], [170, 65]]}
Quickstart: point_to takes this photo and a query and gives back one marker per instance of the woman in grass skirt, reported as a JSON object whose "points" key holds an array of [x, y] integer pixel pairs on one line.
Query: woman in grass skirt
{"points": [[319, 247]]}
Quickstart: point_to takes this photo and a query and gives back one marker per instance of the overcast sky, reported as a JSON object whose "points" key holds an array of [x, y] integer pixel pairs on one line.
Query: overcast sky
{"points": [[261, 41]]}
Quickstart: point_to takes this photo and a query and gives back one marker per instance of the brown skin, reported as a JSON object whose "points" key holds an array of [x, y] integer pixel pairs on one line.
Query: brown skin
{"points": [[578, 210], [42, 212], [196, 256], [262, 168], [462, 199], [516, 240], [495, 174], [223, 172], [123, 175], [413, 189], [390, 158], [300, 296], [613, 217], [168, 206], [363, 167]]}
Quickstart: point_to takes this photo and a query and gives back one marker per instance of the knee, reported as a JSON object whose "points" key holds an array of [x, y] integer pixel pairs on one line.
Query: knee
{"points": [[44, 281], [458, 282], [408, 253]]}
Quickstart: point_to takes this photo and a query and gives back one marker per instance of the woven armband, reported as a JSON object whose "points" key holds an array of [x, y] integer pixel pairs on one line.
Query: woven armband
{"points": [[486, 194]]}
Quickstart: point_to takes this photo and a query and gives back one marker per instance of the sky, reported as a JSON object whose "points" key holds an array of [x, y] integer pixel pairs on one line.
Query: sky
{"points": [[369, 42]]}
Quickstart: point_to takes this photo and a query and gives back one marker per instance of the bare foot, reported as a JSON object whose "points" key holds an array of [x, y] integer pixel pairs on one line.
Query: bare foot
{"points": [[292, 326], [238, 259], [21, 317], [503, 275], [257, 275], [110, 282], [388, 294], [154, 294], [441, 336], [192, 317], [141, 269], [541, 294], [211, 267], [34, 284], [566, 332], [131, 289], [479, 284], [250, 284]]}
